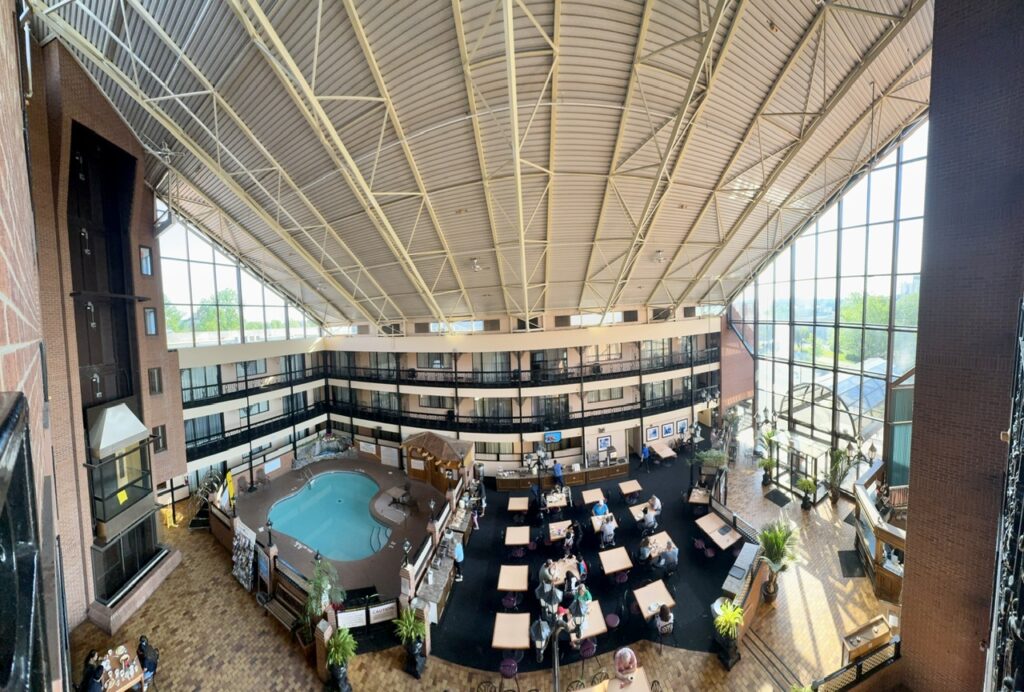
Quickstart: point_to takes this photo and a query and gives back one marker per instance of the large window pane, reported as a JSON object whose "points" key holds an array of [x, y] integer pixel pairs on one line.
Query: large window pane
{"points": [[909, 251], [825, 301], [876, 304], [829, 219], [883, 195], [904, 352], [854, 204], [275, 323], [230, 325], [851, 300], [803, 300], [199, 250], [850, 347], [804, 257], [766, 302], [912, 189], [176, 281], [908, 290], [824, 345], [252, 289], [827, 254], [178, 319], [854, 242], [782, 341], [172, 243], [782, 292], [781, 266], [227, 285], [916, 145], [204, 290], [803, 343], [880, 249], [254, 327], [876, 351]]}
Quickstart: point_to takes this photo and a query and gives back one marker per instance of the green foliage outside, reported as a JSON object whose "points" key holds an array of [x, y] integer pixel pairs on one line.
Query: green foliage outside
{"points": [[204, 316]]}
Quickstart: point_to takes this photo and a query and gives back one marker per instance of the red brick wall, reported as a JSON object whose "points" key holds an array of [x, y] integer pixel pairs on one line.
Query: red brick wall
{"points": [[971, 282], [737, 368]]}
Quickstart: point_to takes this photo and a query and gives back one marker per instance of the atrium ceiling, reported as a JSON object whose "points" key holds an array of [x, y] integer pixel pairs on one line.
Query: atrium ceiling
{"points": [[450, 159]]}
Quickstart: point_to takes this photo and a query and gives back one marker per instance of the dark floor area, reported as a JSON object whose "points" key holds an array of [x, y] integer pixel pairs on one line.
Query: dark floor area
{"points": [[464, 634]]}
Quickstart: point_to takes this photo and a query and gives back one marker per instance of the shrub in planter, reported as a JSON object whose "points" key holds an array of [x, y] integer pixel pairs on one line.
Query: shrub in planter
{"points": [[807, 486], [838, 467], [323, 591], [410, 630], [778, 543], [727, 626], [341, 647], [766, 465]]}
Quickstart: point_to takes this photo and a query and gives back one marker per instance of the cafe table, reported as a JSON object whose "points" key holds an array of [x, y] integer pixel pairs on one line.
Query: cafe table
{"points": [[561, 568], [615, 560], [514, 578], [593, 495], [718, 531], [557, 529], [638, 510], [593, 624], [639, 684], [517, 535], [598, 522], [111, 663], [557, 500], [659, 542], [511, 631], [699, 496], [519, 504], [651, 597], [630, 487]]}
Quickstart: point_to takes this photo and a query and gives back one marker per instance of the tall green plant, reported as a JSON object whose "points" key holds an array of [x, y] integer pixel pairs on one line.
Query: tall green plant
{"points": [[341, 647], [711, 457], [839, 466], [408, 627], [729, 619], [323, 589], [778, 541], [769, 437]]}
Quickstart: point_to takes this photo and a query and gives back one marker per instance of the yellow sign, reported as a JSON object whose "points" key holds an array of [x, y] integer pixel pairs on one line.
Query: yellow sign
{"points": [[231, 488], [122, 497]]}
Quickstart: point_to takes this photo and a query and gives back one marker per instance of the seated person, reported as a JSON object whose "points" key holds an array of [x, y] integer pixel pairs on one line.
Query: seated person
{"points": [[600, 508], [669, 559], [643, 555], [148, 658], [92, 662], [93, 683], [569, 540], [572, 582], [655, 505], [583, 595], [546, 574], [608, 532], [647, 521], [625, 664], [581, 567], [663, 619]]}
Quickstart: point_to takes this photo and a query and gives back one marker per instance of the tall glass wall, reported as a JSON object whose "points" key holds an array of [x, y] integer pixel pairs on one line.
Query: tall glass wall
{"points": [[834, 316], [209, 298]]}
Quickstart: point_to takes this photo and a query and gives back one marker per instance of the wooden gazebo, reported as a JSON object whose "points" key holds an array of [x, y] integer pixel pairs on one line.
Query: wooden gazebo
{"points": [[437, 459]]}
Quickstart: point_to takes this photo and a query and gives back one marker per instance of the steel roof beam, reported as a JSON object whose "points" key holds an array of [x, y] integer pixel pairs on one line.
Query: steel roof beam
{"points": [[833, 101], [396, 125], [290, 75], [517, 170]]}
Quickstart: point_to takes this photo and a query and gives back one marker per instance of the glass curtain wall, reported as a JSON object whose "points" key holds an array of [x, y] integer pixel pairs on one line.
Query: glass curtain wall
{"points": [[209, 298], [834, 315]]}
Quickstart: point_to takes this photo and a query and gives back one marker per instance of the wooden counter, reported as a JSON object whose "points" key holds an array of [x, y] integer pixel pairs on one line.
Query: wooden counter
{"points": [[865, 638], [517, 481], [600, 473]]}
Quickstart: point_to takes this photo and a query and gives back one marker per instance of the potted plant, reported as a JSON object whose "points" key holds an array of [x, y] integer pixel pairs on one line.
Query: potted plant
{"points": [[727, 627], [323, 591], [766, 464], [838, 467], [778, 544], [410, 630], [807, 486], [341, 647]]}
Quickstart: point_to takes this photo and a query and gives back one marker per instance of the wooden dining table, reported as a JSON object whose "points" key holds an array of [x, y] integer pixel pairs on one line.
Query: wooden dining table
{"points": [[517, 535], [557, 529], [514, 578], [593, 624], [640, 684], [598, 522], [718, 531], [120, 684], [651, 597], [593, 495], [615, 560], [659, 543], [561, 568], [630, 487], [519, 504], [511, 631]]}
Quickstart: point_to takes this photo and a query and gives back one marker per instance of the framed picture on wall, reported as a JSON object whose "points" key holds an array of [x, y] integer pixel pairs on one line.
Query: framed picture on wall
{"points": [[604, 442], [666, 429], [681, 427], [652, 434]]}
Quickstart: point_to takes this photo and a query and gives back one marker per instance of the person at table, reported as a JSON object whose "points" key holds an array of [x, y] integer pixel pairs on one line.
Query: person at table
{"points": [[669, 558], [600, 508], [663, 620], [93, 682], [626, 664], [608, 532], [92, 661], [583, 595], [581, 567], [557, 470], [569, 541], [643, 555], [571, 584], [547, 574], [655, 504], [647, 520], [148, 658]]}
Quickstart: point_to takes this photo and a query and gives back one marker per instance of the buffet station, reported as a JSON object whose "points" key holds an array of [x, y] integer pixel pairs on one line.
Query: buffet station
{"points": [[539, 466]]}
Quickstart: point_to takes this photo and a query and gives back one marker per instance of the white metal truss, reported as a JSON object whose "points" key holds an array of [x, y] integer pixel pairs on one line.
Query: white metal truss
{"points": [[828, 188], [662, 181], [552, 139], [807, 131], [305, 99], [86, 51]]}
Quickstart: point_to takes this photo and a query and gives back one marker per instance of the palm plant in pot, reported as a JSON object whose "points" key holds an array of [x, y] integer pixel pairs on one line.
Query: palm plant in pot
{"points": [[341, 647], [727, 627], [778, 545], [766, 465], [323, 590], [838, 467], [807, 486], [410, 630]]}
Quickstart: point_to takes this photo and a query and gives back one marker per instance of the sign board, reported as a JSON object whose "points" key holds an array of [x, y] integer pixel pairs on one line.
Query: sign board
{"points": [[367, 447], [389, 455], [416, 464], [552, 437], [352, 618], [272, 465], [263, 565], [383, 612]]}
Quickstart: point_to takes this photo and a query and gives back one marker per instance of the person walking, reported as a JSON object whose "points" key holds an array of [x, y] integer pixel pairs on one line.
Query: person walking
{"points": [[557, 470], [460, 555]]}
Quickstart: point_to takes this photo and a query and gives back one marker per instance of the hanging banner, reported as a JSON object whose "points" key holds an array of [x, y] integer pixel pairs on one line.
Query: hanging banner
{"points": [[242, 549]]}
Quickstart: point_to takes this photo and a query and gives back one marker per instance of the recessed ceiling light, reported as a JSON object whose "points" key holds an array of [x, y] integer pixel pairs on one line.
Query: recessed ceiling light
{"points": [[773, 26]]}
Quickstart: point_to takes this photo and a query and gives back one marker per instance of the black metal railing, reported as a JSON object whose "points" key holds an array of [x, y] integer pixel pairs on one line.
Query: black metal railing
{"points": [[201, 395], [219, 442], [860, 669]]}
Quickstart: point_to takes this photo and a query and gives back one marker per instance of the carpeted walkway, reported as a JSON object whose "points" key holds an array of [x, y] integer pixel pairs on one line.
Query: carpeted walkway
{"points": [[464, 633]]}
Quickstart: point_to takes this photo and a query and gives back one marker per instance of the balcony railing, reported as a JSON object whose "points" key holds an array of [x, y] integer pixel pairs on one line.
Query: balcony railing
{"points": [[201, 395], [536, 377], [223, 441]]}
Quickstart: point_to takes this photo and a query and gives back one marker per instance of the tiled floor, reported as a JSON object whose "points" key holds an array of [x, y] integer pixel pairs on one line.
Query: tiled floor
{"points": [[213, 636]]}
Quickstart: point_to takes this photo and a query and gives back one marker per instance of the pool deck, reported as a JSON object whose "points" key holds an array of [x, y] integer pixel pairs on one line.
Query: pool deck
{"points": [[379, 570]]}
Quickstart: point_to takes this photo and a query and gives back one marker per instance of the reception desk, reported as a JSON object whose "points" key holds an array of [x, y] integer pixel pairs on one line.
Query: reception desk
{"points": [[524, 479]]}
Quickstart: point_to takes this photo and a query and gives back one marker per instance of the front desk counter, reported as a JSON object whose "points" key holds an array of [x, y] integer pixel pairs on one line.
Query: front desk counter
{"points": [[524, 479]]}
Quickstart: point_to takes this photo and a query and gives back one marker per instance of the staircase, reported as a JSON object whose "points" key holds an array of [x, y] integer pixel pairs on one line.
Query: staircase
{"points": [[199, 502]]}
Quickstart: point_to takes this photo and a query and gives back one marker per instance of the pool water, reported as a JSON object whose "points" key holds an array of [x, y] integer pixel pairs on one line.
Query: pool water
{"points": [[331, 514]]}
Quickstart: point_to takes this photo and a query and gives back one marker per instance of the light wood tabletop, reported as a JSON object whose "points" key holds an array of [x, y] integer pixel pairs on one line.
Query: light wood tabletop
{"points": [[557, 500], [519, 504], [615, 560], [561, 568], [511, 631], [629, 487], [517, 535], [638, 510], [593, 624], [598, 522], [593, 495], [557, 529], [718, 531], [639, 684], [514, 578], [659, 542], [651, 597], [124, 682], [699, 496]]}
